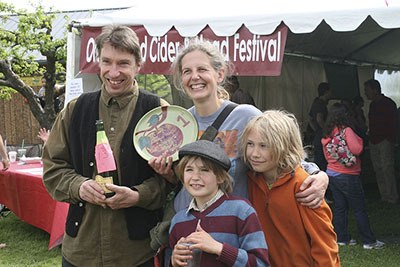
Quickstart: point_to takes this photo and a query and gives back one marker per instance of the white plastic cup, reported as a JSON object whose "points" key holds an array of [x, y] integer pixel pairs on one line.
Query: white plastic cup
{"points": [[21, 152], [196, 256], [12, 155]]}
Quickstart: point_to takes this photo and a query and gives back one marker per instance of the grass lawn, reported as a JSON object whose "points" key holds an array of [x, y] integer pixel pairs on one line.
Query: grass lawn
{"points": [[385, 223], [27, 245]]}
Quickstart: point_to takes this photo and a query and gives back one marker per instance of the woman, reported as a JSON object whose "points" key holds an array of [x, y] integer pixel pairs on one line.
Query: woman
{"points": [[199, 71], [344, 178]]}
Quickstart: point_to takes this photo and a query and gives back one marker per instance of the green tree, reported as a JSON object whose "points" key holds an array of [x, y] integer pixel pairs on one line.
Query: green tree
{"points": [[157, 84], [20, 47]]}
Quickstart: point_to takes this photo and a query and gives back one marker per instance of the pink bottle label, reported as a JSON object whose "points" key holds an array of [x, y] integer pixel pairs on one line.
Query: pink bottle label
{"points": [[104, 158]]}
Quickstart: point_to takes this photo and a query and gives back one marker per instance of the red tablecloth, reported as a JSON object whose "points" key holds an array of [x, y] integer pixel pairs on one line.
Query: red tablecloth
{"points": [[23, 192]]}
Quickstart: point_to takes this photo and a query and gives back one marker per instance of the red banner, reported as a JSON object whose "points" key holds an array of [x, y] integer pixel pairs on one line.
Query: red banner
{"points": [[251, 54]]}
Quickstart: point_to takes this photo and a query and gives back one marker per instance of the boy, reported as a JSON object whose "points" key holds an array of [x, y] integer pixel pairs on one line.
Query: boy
{"points": [[224, 227], [297, 235]]}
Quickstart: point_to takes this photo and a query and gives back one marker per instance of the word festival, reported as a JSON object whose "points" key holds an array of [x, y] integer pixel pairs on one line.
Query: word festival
{"points": [[160, 49]]}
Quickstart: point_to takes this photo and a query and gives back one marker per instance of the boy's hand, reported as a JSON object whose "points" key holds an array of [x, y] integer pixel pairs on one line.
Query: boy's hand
{"points": [[204, 241], [181, 253]]}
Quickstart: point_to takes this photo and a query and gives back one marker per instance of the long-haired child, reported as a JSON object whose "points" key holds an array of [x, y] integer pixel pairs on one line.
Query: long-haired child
{"points": [[296, 235]]}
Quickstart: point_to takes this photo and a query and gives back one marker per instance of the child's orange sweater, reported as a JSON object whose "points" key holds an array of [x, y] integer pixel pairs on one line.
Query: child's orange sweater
{"points": [[296, 235]]}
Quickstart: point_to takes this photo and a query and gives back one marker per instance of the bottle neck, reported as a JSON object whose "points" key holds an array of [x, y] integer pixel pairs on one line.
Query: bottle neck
{"points": [[101, 137]]}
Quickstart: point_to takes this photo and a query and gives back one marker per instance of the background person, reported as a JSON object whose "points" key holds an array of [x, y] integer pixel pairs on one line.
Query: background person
{"points": [[43, 134], [6, 164], [237, 94], [318, 113], [42, 91], [223, 226], [59, 95], [4, 156], [106, 231], [383, 125], [296, 235], [345, 182], [359, 118]]}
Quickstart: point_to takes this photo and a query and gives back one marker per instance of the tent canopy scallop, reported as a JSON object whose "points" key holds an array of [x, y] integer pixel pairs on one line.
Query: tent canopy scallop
{"points": [[260, 17]]}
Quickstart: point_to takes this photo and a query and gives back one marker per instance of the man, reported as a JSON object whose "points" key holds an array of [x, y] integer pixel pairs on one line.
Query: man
{"points": [[104, 231], [42, 91], [59, 95], [237, 94], [382, 138], [318, 114]]}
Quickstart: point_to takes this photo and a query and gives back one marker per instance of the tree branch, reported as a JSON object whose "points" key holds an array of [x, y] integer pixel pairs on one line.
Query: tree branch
{"points": [[5, 83]]}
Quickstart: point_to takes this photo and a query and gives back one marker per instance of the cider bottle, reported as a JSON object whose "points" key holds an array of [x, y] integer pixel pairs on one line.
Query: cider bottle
{"points": [[105, 163]]}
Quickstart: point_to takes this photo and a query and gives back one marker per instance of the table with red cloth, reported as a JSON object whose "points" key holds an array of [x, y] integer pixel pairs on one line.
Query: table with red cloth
{"points": [[23, 192]]}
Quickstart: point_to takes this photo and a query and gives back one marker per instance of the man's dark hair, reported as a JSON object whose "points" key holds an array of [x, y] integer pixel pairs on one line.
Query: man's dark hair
{"points": [[374, 85], [120, 37], [323, 88]]}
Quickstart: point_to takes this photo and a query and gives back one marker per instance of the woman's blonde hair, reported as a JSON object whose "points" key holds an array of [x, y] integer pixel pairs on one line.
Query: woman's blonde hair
{"points": [[218, 61], [280, 132], [223, 178]]}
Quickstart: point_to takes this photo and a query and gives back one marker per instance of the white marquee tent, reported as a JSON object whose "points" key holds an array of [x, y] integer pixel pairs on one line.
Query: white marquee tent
{"points": [[343, 42]]}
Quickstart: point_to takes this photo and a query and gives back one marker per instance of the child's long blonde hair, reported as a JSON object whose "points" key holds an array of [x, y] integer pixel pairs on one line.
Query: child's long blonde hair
{"points": [[280, 132], [223, 178]]}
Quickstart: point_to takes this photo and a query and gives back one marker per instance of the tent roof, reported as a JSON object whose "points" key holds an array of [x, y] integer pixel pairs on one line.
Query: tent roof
{"points": [[336, 31]]}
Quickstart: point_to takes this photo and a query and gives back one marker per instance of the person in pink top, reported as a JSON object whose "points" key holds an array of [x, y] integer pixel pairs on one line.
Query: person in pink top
{"points": [[345, 181]]}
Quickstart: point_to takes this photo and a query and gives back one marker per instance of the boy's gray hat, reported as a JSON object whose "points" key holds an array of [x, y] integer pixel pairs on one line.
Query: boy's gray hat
{"points": [[206, 149]]}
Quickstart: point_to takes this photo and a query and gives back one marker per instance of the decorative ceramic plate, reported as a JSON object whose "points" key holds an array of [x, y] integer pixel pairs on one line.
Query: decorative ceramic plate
{"points": [[163, 131]]}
